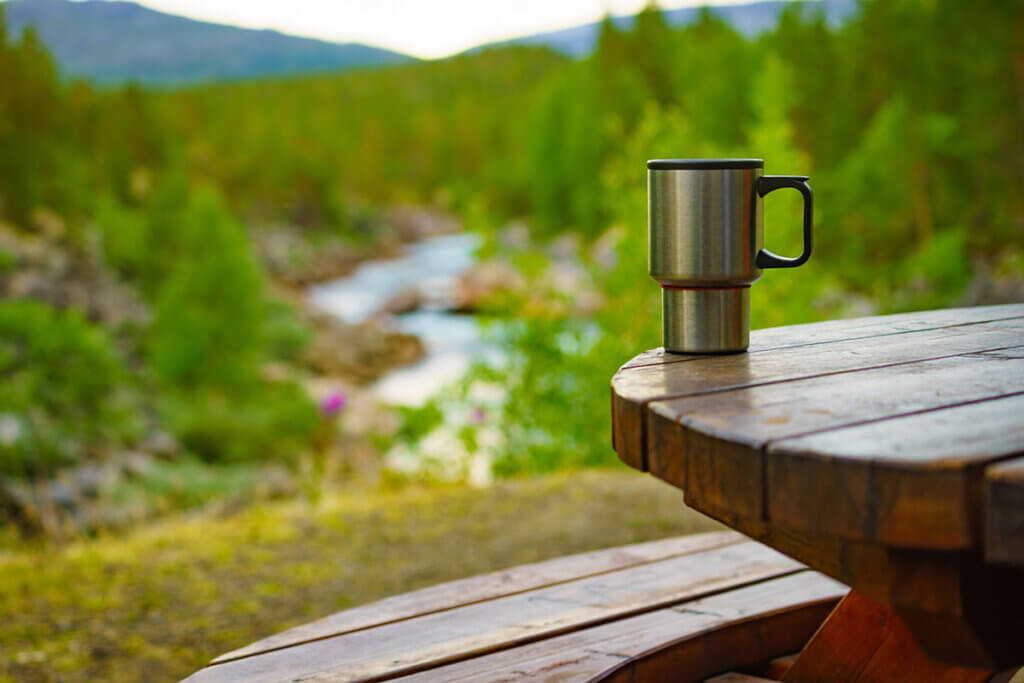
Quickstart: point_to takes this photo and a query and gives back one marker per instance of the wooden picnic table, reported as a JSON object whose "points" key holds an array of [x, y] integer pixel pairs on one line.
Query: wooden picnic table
{"points": [[886, 452]]}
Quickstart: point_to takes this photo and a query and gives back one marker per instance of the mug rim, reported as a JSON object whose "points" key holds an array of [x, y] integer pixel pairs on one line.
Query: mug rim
{"points": [[702, 164]]}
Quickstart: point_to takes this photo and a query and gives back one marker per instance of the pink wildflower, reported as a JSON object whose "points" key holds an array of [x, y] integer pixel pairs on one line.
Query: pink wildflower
{"points": [[333, 403]]}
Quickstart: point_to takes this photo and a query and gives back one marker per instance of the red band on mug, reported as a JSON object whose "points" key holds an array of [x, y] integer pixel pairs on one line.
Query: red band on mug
{"points": [[726, 287]]}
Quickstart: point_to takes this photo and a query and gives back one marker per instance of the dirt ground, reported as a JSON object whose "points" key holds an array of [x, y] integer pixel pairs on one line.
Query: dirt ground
{"points": [[157, 603]]}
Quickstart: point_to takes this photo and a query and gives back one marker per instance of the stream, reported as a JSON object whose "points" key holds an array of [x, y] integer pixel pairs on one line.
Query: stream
{"points": [[451, 341]]}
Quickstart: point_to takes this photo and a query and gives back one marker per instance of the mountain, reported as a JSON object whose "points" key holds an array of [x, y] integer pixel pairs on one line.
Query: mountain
{"points": [[749, 19], [114, 42]]}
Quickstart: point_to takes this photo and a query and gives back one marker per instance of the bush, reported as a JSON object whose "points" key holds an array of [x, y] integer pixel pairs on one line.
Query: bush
{"points": [[207, 324], [276, 421], [63, 389], [124, 235], [284, 333]]}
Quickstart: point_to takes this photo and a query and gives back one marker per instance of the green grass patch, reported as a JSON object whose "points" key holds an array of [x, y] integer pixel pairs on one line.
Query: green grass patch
{"points": [[158, 603]]}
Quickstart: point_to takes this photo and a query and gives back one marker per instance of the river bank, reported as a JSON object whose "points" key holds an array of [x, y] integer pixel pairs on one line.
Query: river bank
{"points": [[414, 293], [127, 482]]}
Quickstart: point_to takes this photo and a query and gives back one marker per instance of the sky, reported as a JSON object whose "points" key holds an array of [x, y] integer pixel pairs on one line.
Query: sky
{"points": [[424, 28]]}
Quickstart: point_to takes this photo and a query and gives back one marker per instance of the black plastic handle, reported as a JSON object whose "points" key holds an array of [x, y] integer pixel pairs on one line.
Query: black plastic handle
{"points": [[767, 183]]}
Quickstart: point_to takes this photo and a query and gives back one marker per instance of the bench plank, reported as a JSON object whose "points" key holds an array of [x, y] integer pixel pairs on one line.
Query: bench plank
{"points": [[489, 586], [633, 389], [724, 434], [776, 614], [434, 639]]}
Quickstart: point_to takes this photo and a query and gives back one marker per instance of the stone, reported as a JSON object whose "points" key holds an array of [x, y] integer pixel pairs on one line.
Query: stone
{"points": [[62, 494], [413, 223], [360, 353], [135, 463], [161, 444], [482, 281], [91, 480], [290, 258], [406, 301], [515, 235], [67, 276]]}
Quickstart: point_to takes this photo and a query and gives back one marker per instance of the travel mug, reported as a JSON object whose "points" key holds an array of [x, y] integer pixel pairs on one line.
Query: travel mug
{"points": [[705, 235]]}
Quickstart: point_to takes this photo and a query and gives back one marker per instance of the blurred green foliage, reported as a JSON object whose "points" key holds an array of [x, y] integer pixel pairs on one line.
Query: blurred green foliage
{"points": [[275, 422], [310, 150], [907, 118], [893, 115], [208, 312], [103, 160], [63, 389]]}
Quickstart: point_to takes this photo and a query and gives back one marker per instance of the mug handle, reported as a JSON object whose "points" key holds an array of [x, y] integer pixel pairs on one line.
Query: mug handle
{"points": [[767, 183]]}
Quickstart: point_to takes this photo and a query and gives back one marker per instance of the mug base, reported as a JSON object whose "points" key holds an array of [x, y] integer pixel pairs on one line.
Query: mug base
{"points": [[706, 320]]}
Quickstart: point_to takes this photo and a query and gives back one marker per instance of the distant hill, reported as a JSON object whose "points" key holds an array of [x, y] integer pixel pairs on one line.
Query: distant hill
{"points": [[114, 41], [122, 41], [749, 19]]}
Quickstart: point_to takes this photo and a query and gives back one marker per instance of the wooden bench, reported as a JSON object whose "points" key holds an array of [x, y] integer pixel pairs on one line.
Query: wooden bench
{"points": [[678, 609]]}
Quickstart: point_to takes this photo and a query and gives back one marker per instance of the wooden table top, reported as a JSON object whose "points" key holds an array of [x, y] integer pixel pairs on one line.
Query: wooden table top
{"points": [[867, 448]]}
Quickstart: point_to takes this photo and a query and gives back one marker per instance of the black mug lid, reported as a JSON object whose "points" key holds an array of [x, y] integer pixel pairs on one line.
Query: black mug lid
{"points": [[702, 164]]}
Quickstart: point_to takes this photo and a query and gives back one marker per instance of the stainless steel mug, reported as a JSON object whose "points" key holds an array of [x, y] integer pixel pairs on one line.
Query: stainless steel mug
{"points": [[705, 230]]}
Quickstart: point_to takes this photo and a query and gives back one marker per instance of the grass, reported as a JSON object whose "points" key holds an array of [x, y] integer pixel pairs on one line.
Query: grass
{"points": [[159, 602]]}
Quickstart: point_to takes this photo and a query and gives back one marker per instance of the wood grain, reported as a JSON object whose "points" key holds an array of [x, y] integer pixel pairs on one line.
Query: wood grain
{"points": [[736, 677], [862, 641], [724, 433], [770, 338], [959, 607], [906, 481], [633, 389], [434, 639], [1004, 511], [483, 587], [788, 609], [864, 458], [778, 667], [864, 566], [743, 643]]}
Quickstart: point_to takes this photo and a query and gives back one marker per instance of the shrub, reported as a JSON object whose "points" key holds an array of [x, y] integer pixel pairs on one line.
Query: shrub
{"points": [[206, 328], [277, 421], [284, 333], [63, 389]]}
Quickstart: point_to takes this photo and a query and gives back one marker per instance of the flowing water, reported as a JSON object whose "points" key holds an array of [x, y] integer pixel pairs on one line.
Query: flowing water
{"points": [[452, 341]]}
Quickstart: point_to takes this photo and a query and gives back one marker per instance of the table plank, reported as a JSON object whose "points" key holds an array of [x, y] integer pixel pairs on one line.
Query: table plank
{"points": [[472, 630], [489, 586], [906, 481], [723, 434], [771, 338], [633, 389], [1004, 511], [735, 628]]}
